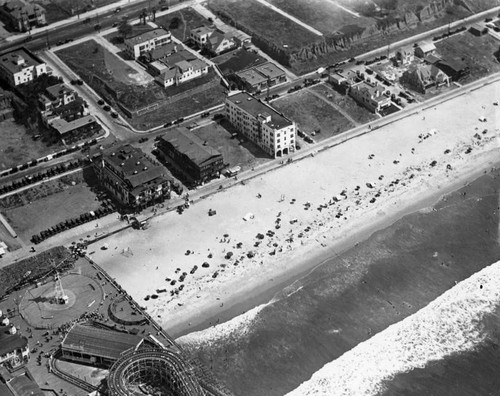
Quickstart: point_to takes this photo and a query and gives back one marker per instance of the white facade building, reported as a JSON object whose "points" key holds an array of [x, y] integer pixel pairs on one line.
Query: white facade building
{"points": [[262, 124], [20, 66], [145, 42]]}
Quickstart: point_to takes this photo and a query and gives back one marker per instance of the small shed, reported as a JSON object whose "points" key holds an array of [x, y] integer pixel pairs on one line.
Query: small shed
{"points": [[478, 29]]}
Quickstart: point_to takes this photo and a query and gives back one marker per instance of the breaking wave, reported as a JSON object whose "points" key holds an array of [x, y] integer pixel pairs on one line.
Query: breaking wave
{"points": [[452, 323], [237, 327]]}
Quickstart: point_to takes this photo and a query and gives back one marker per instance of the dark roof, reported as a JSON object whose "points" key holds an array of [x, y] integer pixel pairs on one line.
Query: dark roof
{"points": [[270, 70], [62, 126], [98, 342], [10, 342], [190, 145], [58, 89], [164, 50], [22, 385], [18, 8], [456, 65], [133, 165], [256, 108]]}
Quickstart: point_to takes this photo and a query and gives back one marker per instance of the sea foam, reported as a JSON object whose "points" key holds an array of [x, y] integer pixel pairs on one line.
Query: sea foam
{"points": [[449, 324], [239, 326]]}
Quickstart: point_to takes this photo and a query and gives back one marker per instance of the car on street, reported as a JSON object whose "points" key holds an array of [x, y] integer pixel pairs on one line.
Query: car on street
{"points": [[114, 115], [107, 108]]}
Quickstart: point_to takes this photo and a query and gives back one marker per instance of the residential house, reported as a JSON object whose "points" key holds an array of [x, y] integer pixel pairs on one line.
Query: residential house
{"points": [[370, 95], [260, 123], [422, 77], [251, 80], [478, 30], [131, 177], [145, 42], [273, 73], [197, 161], [77, 129], [22, 16], [20, 66], [405, 55], [425, 48], [181, 72], [161, 52], [14, 348], [56, 96], [212, 39], [456, 68]]}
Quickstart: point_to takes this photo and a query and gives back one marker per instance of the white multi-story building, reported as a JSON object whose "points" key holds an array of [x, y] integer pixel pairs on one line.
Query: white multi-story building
{"points": [[262, 124], [20, 66], [145, 42]]}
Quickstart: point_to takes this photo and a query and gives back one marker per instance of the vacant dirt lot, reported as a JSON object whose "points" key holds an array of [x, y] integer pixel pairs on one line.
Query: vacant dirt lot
{"points": [[18, 147], [480, 53], [311, 113]]}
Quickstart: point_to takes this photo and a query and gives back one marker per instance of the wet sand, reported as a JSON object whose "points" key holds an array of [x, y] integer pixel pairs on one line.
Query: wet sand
{"points": [[356, 294]]}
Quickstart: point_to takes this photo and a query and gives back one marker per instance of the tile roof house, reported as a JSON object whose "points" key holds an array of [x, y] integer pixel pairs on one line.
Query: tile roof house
{"points": [[212, 39], [23, 16], [422, 77], [180, 72]]}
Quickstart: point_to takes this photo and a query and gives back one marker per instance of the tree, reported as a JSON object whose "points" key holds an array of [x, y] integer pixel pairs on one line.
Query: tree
{"points": [[125, 29], [174, 23]]}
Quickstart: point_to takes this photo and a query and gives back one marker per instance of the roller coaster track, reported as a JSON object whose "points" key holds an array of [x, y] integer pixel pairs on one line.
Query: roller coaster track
{"points": [[68, 377], [186, 382]]}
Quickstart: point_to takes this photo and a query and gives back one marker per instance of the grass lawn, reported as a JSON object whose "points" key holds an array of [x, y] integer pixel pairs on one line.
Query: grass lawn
{"points": [[18, 147], [187, 19], [57, 10], [478, 52], [322, 15], [235, 151], [345, 102], [95, 65], [46, 212], [310, 113], [237, 60], [257, 19]]}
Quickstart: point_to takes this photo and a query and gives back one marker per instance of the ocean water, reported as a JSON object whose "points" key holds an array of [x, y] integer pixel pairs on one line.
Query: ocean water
{"points": [[365, 293]]}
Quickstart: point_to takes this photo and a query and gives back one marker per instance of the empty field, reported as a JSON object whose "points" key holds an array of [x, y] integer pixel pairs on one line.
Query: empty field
{"points": [[346, 103], [311, 113], [181, 22], [480, 53], [18, 146], [322, 15], [258, 20]]}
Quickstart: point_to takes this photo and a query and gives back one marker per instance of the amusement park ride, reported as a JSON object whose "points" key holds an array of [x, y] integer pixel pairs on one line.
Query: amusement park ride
{"points": [[59, 296]]}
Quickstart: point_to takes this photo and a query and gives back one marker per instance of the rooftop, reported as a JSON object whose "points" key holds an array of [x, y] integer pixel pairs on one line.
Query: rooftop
{"points": [[22, 385], [10, 342], [270, 70], [150, 35], [16, 8], [99, 342], [251, 76], [426, 46], [18, 59], [201, 30], [133, 164], [189, 144], [164, 50], [62, 126], [58, 89], [256, 108]]}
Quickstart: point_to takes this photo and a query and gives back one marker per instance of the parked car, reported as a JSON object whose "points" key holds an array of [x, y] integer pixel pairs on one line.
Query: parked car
{"points": [[100, 102], [114, 115], [107, 108]]}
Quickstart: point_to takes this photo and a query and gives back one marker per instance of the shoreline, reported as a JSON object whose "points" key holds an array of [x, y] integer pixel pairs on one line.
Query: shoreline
{"points": [[261, 293]]}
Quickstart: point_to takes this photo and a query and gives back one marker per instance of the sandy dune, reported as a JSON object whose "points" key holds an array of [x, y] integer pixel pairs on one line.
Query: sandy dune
{"points": [[399, 177]]}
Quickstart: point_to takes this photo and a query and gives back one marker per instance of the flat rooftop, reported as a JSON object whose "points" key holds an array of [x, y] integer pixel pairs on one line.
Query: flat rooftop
{"points": [[256, 108], [18, 59], [251, 76], [190, 145], [63, 126], [150, 35], [270, 70]]}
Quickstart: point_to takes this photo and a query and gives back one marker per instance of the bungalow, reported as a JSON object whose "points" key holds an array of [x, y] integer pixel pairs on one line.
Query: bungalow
{"points": [[425, 48], [370, 95], [405, 55], [181, 72], [455, 68], [422, 77], [212, 39], [161, 52]]}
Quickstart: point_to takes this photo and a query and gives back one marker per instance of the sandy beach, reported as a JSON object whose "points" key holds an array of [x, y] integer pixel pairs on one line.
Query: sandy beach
{"points": [[315, 208]]}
